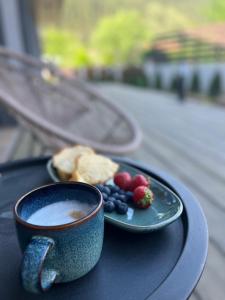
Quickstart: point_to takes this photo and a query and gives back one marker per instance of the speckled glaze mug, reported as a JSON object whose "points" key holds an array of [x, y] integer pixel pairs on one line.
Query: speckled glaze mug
{"points": [[63, 252]]}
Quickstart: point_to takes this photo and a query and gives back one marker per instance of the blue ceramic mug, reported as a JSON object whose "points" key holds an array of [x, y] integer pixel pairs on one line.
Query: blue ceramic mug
{"points": [[63, 252]]}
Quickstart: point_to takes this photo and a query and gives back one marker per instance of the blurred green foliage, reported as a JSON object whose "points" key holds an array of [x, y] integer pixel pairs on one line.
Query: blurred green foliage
{"points": [[195, 83], [86, 33], [64, 48], [216, 10], [161, 18], [119, 38], [173, 84], [215, 88], [158, 82], [135, 76]]}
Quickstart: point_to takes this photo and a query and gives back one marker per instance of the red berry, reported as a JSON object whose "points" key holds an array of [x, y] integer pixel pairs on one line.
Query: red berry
{"points": [[138, 180], [139, 193], [123, 180], [143, 197]]}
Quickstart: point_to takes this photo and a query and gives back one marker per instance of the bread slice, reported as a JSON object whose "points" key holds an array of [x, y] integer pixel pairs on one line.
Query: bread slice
{"points": [[94, 169], [65, 160]]}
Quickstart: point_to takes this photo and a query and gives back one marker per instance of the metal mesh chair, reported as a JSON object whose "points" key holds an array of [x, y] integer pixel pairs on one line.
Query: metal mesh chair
{"points": [[61, 110]]}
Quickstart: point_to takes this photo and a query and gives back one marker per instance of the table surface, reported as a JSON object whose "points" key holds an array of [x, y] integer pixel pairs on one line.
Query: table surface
{"points": [[166, 264]]}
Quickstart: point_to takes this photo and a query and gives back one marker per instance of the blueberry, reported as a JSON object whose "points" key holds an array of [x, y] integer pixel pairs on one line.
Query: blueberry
{"points": [[115, 195], [111, 199], [109, 206], [106, 190], [123, 198], [100, 187], [118, 203], [122, 192], [114, 188], [105, 196], [129, 196], [122, 208]]}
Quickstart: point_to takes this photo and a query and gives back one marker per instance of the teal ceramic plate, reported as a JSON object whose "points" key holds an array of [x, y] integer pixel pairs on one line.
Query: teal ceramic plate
{"points": [[166, 207]]}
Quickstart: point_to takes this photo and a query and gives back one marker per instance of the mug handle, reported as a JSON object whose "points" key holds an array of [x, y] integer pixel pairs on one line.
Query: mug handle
{"points": [[36, 278]]}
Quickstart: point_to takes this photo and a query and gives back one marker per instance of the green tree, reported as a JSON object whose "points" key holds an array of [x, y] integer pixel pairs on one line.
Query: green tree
{"points": [[119, 38], [196, 83], [173, 84], [162, 18], [115, 36], [135, 75], [215, 88], [85, 14], [158, 81], [64, 48], [215, 10]]}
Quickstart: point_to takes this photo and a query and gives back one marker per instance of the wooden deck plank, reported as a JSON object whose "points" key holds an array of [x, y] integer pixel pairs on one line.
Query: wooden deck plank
{"points": [[170, 110], [206, 158], [181, 122], [193, 169], [198, 146]]}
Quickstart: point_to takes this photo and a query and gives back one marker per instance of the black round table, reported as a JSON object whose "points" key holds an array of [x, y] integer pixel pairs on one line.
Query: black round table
{"points": [[165, 264]]}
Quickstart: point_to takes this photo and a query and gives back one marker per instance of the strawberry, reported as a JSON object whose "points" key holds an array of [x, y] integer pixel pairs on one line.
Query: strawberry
{"points": [[138, 180], [142, 197], [123, 180]]}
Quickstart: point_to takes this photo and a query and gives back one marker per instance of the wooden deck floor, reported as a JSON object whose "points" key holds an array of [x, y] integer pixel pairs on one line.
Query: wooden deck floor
{"points": [[188, 141]]}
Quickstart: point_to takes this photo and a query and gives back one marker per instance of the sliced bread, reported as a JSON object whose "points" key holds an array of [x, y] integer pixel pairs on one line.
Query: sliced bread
{"points": [[94, 169], [65, 160]]}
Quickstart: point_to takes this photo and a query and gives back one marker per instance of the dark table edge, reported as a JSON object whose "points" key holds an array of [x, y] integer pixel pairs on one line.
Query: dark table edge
{"points": [[189, 267]]}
